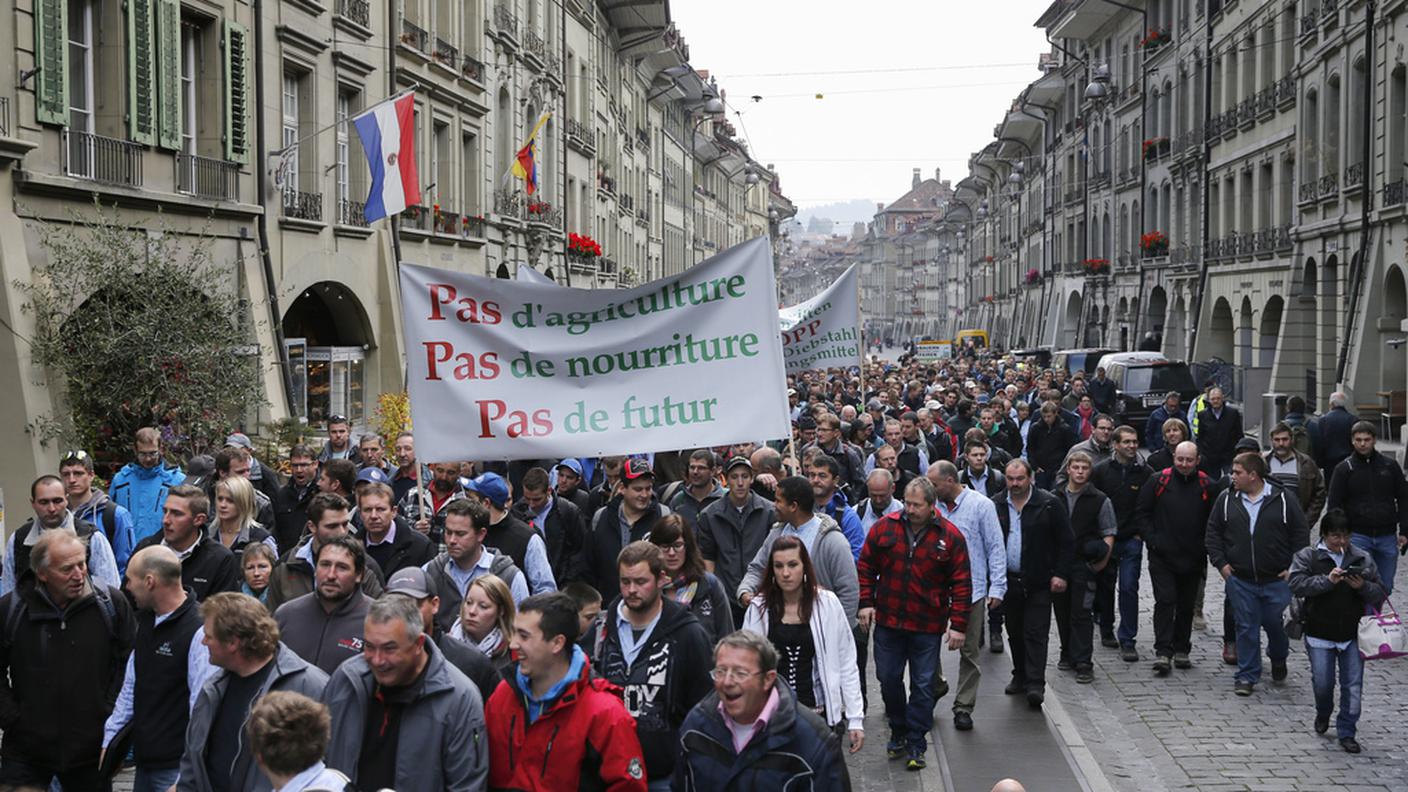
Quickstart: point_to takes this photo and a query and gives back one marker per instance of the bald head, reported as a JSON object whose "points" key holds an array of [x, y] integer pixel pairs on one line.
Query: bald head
{"points": [[766, 460], [1185, 457], [158, 562], [1009, 785]]}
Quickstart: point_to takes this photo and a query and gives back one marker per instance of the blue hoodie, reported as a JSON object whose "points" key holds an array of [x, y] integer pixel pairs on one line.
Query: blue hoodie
{"points": [[142, 492], [536, 707], [840, 510]]}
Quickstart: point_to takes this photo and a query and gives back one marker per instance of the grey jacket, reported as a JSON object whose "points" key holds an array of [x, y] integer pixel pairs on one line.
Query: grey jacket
{"points": [[443, 744], [290, 672], [831, 555], [324, 639], [729, 538]]}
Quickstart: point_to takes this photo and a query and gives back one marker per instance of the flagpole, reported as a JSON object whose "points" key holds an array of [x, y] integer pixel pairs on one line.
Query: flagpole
{"points": [[860, 331]]}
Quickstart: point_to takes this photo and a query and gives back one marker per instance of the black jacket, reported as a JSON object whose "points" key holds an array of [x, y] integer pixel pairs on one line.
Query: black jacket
{"points": [[1171, 516], [209, 569], [852, 467], [995, 485], [564, 534], [1047, 445], [1048, 546], [1121, 484], [60, 672], [1102, 392], [669, 676], [604, 541], [1256, 556], [1332, 610], [1373, 492], [1217, 437], [408, 548], [1335, 444], [291, 512]]}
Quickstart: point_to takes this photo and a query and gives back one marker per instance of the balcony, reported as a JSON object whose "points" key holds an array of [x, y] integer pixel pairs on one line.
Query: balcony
{"points": [[1354, 175], [205, 177], [1310, 20], [1285, 92], [471, 69], [352, 213], [505, 22], [508, 203], [414, 36], [534, 47], [1284, 241], [1395, 192], [1074, 196], [1246, 113], [1329, 12], [1329, 185], [103, 159], [445, 220], [643, 138], [1308, 192], [1266, 101], [472, 227], [445, 54], [358, 11], [544, 213], [303, 206], [628, 205], [580, 137]]}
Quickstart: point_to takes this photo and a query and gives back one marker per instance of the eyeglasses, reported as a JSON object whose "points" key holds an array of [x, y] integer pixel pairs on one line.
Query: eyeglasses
{"points": [[677, 547], [148, 454], [337, 419], [74, 456], [732, 674]]}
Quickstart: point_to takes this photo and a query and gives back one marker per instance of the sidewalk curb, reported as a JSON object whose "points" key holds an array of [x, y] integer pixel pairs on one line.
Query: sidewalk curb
{"points": [[1078, 755]]}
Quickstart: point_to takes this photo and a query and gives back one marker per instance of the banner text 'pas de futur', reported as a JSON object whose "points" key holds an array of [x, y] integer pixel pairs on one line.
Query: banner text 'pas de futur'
{"points": [[503, 369], [822, 332]]}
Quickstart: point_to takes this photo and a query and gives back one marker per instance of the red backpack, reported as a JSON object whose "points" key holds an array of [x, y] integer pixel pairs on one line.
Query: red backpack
{"points": [[1166, 475]]}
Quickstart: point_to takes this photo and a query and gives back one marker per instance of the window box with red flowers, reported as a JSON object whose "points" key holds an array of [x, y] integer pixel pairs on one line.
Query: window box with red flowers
{"points": [[582, 248], [1155, 38], [1155, 147], [987, 259], [1096, 266], [988, 299], [536, 208], [1033, 276], [1154, 243]]}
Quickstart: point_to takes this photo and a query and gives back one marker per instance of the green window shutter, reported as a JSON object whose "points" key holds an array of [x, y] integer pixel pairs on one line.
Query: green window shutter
{"points": [[141, 72], [51, 57], [237, 92], [168, 73]]}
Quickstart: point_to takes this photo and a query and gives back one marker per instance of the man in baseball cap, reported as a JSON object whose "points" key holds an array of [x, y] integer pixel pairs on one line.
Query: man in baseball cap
{"points": [[626, 518], [411, 582]]}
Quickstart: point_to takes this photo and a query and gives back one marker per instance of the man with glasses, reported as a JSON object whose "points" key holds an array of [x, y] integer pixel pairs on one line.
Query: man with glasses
{"points": [[141, 486], [291, 502], [339, 444], [93, 506]]}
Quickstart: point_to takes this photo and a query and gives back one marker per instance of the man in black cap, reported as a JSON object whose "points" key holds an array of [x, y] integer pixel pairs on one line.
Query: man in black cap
{"points": [[732, 528], [626, 518], [411, 582]]}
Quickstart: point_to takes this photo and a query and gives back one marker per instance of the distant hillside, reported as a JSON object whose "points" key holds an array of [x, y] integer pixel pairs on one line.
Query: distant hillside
{"points": [[844, 214]]}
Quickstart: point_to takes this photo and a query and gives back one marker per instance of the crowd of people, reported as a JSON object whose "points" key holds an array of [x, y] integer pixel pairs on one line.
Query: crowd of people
{"points": [[688, 620]]}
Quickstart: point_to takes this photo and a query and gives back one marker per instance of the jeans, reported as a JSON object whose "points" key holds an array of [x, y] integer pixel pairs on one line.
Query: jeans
{"points": [[1259, 606], [1174, 595], [153, 779], [1384, 551], [910, 719], [1322, 681], [1129, 554], [18, 773], [1028, 615], [1074, 621], [862, 637]]}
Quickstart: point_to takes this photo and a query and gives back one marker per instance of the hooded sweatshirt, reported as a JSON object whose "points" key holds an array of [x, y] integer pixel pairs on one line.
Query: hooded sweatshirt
{"points": [[120, 531], [831, 556]]}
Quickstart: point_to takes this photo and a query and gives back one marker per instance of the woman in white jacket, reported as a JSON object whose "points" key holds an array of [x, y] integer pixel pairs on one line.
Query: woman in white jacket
{"points": [[815, 647]]}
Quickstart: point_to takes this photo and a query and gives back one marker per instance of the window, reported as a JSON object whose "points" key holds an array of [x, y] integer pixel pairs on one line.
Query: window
{"points": [[190, 108], [80, 58], [341, 135], [469, 163], [289, 140]]}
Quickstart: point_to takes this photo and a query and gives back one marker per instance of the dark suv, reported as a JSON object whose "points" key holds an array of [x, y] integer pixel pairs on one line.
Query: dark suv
{"points": [[1142, 380]]}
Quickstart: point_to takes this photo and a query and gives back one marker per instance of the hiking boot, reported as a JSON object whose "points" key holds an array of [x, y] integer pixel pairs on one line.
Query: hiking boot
{"points": [[1162, 667], [1035, 699], [1322, 724], [1243, 689], [1180, 660], [1229, 653], [1129, 654]]}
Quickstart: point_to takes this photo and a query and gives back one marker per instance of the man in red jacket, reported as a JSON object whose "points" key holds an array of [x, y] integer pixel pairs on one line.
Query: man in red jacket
{"points": [[915, 585], [551, 726]]}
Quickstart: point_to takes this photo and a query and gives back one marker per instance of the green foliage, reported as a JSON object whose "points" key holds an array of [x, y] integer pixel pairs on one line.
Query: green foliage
{"points": [[138, 327]]}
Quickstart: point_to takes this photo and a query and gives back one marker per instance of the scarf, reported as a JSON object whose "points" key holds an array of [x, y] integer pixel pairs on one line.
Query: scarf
{"points": [[682, 590], [489, 646]]}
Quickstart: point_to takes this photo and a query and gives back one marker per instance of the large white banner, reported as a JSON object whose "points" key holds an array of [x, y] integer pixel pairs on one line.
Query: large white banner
{"points": [[824, 331], [502, 369]]}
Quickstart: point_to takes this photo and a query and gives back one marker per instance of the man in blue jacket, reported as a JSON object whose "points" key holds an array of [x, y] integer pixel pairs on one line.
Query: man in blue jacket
{"points": [[825, 474], [750, 734], [1154, 427], [141, 486]]}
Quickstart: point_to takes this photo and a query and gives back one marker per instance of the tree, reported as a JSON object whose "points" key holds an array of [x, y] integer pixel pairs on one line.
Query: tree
{"points": [[138, 327]]}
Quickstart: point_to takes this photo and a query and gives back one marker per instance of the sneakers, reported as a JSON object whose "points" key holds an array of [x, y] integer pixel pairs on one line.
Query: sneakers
{"points": [[1162, 667], [962, 721], [1243, 689], [896, 748], [1180, 660], [1085, 675], [1015, 687], [1278, 671], [1129, 654], [1199, 623], [996, 647], [1109, 641], [916, 761], [1064, 664], [1350, 745], [1322, 724], [1035, 699], [1229, 653]]}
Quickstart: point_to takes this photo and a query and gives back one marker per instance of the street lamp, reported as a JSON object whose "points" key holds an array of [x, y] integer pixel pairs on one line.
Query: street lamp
{"points": [[1099, 88]]}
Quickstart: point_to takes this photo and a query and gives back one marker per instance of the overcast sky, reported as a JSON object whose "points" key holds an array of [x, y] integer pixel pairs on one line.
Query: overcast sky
{"points": [[955, 67]]}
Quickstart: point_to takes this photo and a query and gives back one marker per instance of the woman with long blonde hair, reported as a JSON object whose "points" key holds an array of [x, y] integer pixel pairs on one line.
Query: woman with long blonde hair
{"points": [[234, 525], [486, 618]]}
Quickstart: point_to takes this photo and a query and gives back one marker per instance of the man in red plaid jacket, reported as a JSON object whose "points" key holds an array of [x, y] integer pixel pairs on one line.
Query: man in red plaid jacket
{"points": [[915, 586]]}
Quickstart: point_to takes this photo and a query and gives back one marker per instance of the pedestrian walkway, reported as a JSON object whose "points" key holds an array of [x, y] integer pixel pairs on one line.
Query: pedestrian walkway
{"points": [[1008, 740]]}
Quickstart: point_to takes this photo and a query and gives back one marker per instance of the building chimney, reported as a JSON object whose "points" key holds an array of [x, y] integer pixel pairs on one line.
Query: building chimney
{"points": [[937, 175], [916, 179]]}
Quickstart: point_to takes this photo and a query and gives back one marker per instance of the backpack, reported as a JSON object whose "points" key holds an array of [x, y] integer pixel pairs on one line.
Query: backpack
{"points": [[1166, 476], [17, 608]]}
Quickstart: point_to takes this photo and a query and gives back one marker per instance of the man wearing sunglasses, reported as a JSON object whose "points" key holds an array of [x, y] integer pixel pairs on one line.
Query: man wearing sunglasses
{"points": [[141, 486]]}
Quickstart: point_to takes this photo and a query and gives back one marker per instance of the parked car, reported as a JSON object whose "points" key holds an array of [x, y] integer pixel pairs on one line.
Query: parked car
{"points": [[1073, 360], [1142, 382], [1038, 357]]}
